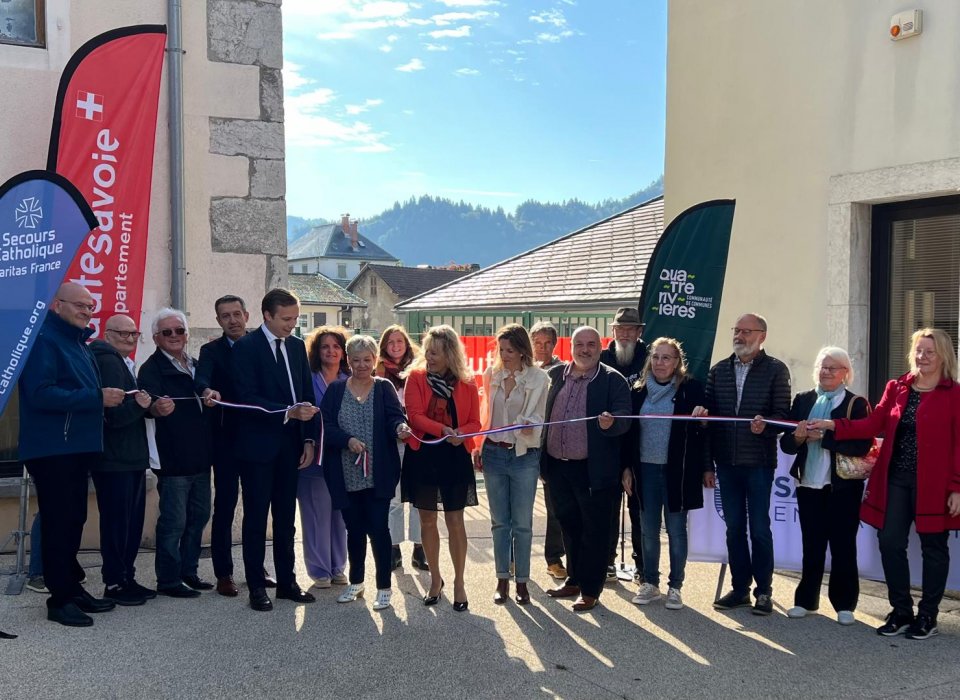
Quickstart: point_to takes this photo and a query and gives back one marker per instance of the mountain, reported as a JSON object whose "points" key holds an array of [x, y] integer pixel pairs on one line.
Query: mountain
{"points": [[437, 231]]}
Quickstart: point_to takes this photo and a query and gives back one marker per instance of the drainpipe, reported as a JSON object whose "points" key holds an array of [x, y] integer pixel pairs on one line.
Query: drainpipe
{"points": [[178, 273]]}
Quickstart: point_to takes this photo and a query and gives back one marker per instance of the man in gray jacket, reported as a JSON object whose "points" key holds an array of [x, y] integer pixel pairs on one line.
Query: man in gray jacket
{"points": [[750, 384]]}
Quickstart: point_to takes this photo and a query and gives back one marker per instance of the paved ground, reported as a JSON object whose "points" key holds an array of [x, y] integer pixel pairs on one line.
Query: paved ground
{"points": [[215, 647]]}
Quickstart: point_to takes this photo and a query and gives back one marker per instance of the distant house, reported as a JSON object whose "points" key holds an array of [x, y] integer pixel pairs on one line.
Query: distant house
{"points": [[384, 286], [579, 279], [324, 302], [335, 250]]}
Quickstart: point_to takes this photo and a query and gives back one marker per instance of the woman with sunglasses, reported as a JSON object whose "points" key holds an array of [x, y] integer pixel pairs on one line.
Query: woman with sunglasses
{"points": [[916, 479]]}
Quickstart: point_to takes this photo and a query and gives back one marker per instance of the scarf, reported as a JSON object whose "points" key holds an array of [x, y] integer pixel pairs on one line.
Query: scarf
{"points": [[441, 384], [817, 457], [390, 370]]}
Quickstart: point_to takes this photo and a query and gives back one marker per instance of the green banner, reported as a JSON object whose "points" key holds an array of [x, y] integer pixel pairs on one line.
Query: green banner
{"points": [[684, 281]]}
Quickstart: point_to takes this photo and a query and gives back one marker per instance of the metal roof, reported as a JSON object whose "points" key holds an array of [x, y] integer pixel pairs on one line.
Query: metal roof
{"points": [[603, 263], [320, 289], [329, 241]]}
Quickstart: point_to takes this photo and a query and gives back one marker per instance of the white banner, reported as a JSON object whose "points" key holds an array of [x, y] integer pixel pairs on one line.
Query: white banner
{"points": [[707, 538]]}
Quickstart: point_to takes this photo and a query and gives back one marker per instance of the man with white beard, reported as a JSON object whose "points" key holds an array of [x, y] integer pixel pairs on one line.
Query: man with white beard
{"points": [[627, 354]]}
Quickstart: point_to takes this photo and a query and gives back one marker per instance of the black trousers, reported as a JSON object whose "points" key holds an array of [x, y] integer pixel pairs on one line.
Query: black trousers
{"points": [[226, 484], [367, 516], [61, 483], [553, 540], [636, 534], [121, 499], [934, 547], [270, 487], [585, 518], [831, 517]]}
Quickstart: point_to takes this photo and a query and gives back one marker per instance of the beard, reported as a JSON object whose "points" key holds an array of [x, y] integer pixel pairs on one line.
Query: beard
{"points": [[625, 352]]}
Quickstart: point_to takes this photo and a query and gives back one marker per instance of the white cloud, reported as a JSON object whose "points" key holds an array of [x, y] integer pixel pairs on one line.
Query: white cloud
{"points": [[470, 3], [447, 18], [414, 64], [353, 110], [393, 38], [381, 8], [554, 17], [466, 71], [292, 79], [436, 47], [453, 33], [339, 34], [547, 38], [386, 48]]}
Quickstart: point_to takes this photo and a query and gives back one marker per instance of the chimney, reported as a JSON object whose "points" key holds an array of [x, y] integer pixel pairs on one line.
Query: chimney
{"points": [[345, 224], [354, 234]]}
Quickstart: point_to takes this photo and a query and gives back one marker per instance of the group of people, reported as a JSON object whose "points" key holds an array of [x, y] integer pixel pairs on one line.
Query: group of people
{"points": [[354, 428]]}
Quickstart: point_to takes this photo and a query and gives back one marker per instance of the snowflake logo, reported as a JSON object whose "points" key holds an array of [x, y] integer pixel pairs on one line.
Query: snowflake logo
{"points": [[28, 213]]}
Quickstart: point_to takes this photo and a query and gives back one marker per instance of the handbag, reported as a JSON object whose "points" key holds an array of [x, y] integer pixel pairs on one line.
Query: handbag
{"points": [[849, 467]]}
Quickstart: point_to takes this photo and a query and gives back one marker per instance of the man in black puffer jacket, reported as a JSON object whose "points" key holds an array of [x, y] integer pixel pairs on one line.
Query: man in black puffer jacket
{"points": [[120, 476], [755, 385]]}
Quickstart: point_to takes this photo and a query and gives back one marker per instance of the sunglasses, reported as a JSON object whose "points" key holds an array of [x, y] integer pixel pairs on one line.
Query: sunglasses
{"points": [[167, 332]]}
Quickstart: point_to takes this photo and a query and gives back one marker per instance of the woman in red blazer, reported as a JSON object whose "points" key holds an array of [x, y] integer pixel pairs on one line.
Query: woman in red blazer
{"points": [[441, 401], [916, 478]]}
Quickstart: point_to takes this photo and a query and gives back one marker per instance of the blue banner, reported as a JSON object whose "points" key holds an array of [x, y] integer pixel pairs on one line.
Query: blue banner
{"points": [[43, 221]]}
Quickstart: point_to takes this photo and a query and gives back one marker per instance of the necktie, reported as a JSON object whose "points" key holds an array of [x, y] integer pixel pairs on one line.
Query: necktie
{"points": [[282, 364]]}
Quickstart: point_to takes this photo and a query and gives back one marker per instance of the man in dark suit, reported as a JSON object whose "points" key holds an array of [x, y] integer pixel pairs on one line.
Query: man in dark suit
{"points": [[215, 379], [581, 462], [270, 370]]}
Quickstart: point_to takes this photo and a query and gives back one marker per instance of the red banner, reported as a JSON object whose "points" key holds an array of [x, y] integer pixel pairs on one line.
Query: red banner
{"points": [[104, 127], [480, 350]]}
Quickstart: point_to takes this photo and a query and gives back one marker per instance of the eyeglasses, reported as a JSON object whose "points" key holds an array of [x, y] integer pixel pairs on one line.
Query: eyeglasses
{"points": [[663, 358], [82, 306], [746, 331], [127, 335], [832, 370], [167, 332], [925, 353]]}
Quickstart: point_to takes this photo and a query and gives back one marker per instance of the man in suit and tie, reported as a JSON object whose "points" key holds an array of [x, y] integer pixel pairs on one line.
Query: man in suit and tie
{"points": [[215, 379], [270, 370]]}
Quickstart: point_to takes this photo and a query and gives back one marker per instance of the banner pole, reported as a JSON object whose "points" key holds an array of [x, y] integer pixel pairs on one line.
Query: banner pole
{"points": [[19, 577]]}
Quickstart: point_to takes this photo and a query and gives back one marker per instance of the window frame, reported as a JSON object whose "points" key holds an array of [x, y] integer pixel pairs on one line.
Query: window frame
{"points": [[40, 21]]}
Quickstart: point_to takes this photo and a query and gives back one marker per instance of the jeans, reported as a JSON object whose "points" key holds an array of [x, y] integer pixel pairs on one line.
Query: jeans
{"points": [[654, 503], [511, 490], [184, 511], [934, 547], [367, 517], [745, 497]]}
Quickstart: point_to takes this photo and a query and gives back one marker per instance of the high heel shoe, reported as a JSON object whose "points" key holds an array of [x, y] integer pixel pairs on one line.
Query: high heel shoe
{"points": [[433, 599], [503, 591], [523, 595], [460, 607]]}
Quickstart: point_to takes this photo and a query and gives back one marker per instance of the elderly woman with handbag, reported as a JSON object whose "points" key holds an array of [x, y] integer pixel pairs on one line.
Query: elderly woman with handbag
{"points": [[916, 479], [828, 504]]}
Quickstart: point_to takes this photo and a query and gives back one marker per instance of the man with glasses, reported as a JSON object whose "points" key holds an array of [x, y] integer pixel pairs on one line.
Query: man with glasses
{"points": [[61, 439], [179, 454], [120, 477], [750, 384]]}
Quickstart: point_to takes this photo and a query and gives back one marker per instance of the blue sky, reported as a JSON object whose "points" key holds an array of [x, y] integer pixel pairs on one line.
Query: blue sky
{"points": [[489, 101]]}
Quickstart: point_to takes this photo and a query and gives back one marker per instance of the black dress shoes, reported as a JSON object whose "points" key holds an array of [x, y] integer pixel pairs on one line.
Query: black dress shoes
{"points": [[268, 580], [147, 593], [197, 583], [295, 594], [88, 604], [179, 591], [259, 600], [460, 606], [433, 599], [69, 615], [502, 593]]}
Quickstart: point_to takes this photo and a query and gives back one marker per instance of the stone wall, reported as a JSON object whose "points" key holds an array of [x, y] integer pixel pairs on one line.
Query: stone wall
{"points": [[249, 32]]}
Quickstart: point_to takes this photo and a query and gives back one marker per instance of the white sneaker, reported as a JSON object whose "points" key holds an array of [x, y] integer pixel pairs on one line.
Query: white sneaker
{"points": [[383, 599], [845, 617], [322, 582], [340, 579], [796, 612], [647, 594], [352, 592], [674, 599]]}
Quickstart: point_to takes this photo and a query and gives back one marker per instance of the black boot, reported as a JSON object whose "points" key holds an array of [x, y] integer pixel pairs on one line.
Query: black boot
{"points": [[419, 558], [396, 558]]}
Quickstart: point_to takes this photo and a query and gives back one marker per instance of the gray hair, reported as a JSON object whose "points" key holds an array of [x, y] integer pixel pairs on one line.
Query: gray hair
{"points": [[583, 329], [544, 327], [839, 355], [168, 312], [362, 343]]}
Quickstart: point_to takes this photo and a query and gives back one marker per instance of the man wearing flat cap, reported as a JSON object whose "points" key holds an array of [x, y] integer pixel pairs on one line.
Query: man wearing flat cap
{"points": [[627, 354]]}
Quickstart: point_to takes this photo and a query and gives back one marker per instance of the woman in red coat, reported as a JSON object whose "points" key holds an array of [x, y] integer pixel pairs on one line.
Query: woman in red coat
{"points": [[916, 478], [441, 401]]}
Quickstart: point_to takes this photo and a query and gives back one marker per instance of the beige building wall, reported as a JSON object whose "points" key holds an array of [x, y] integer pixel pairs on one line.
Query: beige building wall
{"points": [[807, 114]]}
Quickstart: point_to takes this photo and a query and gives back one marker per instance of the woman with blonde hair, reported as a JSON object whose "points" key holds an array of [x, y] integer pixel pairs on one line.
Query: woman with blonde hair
{"points": [[441, 400], [663, 460], [397, 353], [916, 479], [828, 506], [514, 392]]}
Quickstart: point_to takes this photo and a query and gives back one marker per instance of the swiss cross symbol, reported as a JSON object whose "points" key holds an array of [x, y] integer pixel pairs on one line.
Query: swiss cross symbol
{"points": [[90, 106]]}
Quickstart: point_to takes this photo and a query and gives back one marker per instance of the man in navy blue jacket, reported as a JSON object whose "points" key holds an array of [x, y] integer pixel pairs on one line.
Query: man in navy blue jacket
{"points": [[60, 395], [271, 371]]}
